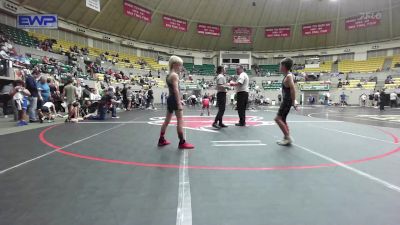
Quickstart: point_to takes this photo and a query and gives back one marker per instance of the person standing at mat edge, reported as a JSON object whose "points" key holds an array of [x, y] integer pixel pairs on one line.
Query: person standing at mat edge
{"points": [[221, 98], [289, 100], [174, 104], [242, 94]]}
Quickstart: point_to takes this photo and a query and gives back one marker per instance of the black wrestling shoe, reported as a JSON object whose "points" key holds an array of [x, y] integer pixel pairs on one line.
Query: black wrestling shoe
{"points": [[240, 124], [222, 125], [215, 125]]}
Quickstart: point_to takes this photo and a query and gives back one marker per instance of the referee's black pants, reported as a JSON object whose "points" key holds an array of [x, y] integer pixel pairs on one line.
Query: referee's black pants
{"points": [[242, 99], [221, 103]]}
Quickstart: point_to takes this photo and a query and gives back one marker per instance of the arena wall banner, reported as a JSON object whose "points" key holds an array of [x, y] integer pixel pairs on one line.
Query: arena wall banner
{"points": [[364, 20], [242, 35], [33, 21], [175, 23], [277, 32], [317, 28], [133, 10], [209, 30]]}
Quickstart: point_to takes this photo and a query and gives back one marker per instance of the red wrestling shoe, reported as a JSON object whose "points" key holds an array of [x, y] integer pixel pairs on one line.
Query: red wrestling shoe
{"points": [[185, 145], [163, 142]]}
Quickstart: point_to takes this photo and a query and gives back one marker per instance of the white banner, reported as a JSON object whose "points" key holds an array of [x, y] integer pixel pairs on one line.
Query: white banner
{"points": [[164, 63], [312, 66], [93, 4]]}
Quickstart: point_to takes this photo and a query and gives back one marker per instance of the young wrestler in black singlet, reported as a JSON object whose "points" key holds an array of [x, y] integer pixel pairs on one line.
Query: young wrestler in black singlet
{"points": [[174, 104], [288, 100]]}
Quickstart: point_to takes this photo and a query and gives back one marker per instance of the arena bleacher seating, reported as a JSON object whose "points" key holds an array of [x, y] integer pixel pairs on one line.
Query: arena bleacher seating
{"points": [[269, 68], [369, 65], [63, 45], [230, 71], [394, 85], [358, 84], [189, 67], [395, 61], [18, 36], [205, 69], [323, 67]]}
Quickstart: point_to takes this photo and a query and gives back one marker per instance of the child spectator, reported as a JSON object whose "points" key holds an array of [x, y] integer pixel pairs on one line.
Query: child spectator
{"points": [[19, 94], [206, 105], [86, 108], [150, 99], [129, 98], [73, 114]]}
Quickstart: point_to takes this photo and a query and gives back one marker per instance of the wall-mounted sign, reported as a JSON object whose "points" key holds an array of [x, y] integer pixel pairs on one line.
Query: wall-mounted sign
{"points": [[364, 20], [277, 32], [133, 10], [317, 28]]}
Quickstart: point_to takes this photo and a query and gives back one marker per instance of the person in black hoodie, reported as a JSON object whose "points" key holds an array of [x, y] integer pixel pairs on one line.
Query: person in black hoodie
{"points": [[150, 98], [124, 97], [86, 92], [31, 85], [382, 100]]}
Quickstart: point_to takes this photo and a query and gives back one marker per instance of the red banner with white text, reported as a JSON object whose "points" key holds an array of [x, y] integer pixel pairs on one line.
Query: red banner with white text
{"points": [[242, 35], [277, 32], [133, 10], [175, 23], [207, 29], [317, 28], [364, 20]]}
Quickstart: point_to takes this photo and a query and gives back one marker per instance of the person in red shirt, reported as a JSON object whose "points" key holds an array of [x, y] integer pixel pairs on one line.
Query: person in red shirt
{"points": [[206, 105]]}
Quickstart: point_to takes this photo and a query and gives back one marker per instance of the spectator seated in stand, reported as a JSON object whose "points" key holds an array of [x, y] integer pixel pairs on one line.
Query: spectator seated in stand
{"points": [[6, 48], [88, 107], [62, 50], [340, 84], [94, 96], [107, 103], [389, 80], [46, 60], [117, 76], [125, 77], [114, 61]]}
